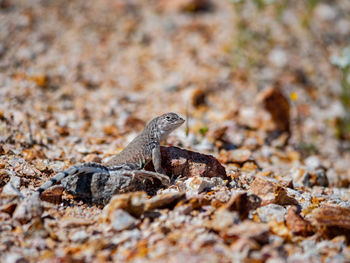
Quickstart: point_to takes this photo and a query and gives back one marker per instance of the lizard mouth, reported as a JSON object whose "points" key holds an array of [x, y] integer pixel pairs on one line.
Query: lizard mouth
{"points": [[180, 121]]}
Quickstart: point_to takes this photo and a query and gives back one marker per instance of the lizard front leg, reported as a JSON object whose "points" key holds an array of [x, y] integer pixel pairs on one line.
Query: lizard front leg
{"points": [[157, 160]]}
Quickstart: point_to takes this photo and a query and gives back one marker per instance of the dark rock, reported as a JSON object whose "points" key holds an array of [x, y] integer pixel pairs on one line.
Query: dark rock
{"points": [[53, 195], [176, 161], [99, 188], [315, 178]]}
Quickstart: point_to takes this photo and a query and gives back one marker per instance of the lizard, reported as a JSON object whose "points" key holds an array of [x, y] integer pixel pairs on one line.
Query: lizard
{"points": [[142, 149]]}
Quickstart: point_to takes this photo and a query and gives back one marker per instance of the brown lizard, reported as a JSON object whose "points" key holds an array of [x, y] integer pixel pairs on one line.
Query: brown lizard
{"points": [[144, 148]]}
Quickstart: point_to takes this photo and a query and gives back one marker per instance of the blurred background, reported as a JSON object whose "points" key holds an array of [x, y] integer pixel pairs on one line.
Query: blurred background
{"points": [[80, 78]]}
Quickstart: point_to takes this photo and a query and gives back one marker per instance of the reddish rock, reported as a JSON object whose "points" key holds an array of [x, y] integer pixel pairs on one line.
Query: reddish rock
{"points": [[271, 192], [278, 106], [176, 161], [282, 197], [332, 221], [53, 195], [8, 208], [198, 97], [297, 224]]}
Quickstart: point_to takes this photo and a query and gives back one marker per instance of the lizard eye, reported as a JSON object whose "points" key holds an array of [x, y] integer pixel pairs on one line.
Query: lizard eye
{"points": [[168, 118]]}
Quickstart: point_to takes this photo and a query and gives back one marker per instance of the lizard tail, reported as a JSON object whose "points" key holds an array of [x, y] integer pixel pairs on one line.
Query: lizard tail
{"points": [[57, 178], [84, 168]]}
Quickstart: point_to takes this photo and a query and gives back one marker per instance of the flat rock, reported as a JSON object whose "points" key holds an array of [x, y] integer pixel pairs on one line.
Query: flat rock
{"points": [[176, 161]]}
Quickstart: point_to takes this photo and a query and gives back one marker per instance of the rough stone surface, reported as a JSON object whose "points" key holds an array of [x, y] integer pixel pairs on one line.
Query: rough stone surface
{"points": [[121, 220], [271, 212], [11, 188], [296, 223], [100, 187], [270, 191], [180, 162]]}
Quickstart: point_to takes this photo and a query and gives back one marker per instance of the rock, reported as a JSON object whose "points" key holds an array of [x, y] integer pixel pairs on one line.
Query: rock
{"points": [[315, 178], [133, 203], [185, 5], [99, 188], [282, 197], [332, 221], [164, 200], [313, 162], [198, 97], [270, 191], [53, 195], [271, 212], [297, 224], [238, 156], [176, 161], [275, 102], [11, 188], [264, 188], [8, 208], [196, 185], [2, 151], [121, 220], [80, 237], [127, 235], [14, 258], [73, 222], [241, 203], [223, 219], [249, 230], [236, 210], [28, 209]]}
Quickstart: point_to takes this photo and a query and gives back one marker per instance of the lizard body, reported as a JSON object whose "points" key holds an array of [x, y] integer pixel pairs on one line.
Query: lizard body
{"points": [[144, 148]]}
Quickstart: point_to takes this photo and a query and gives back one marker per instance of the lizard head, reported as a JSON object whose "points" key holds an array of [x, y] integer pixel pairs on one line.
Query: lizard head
{"points": [[168, 122]]}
